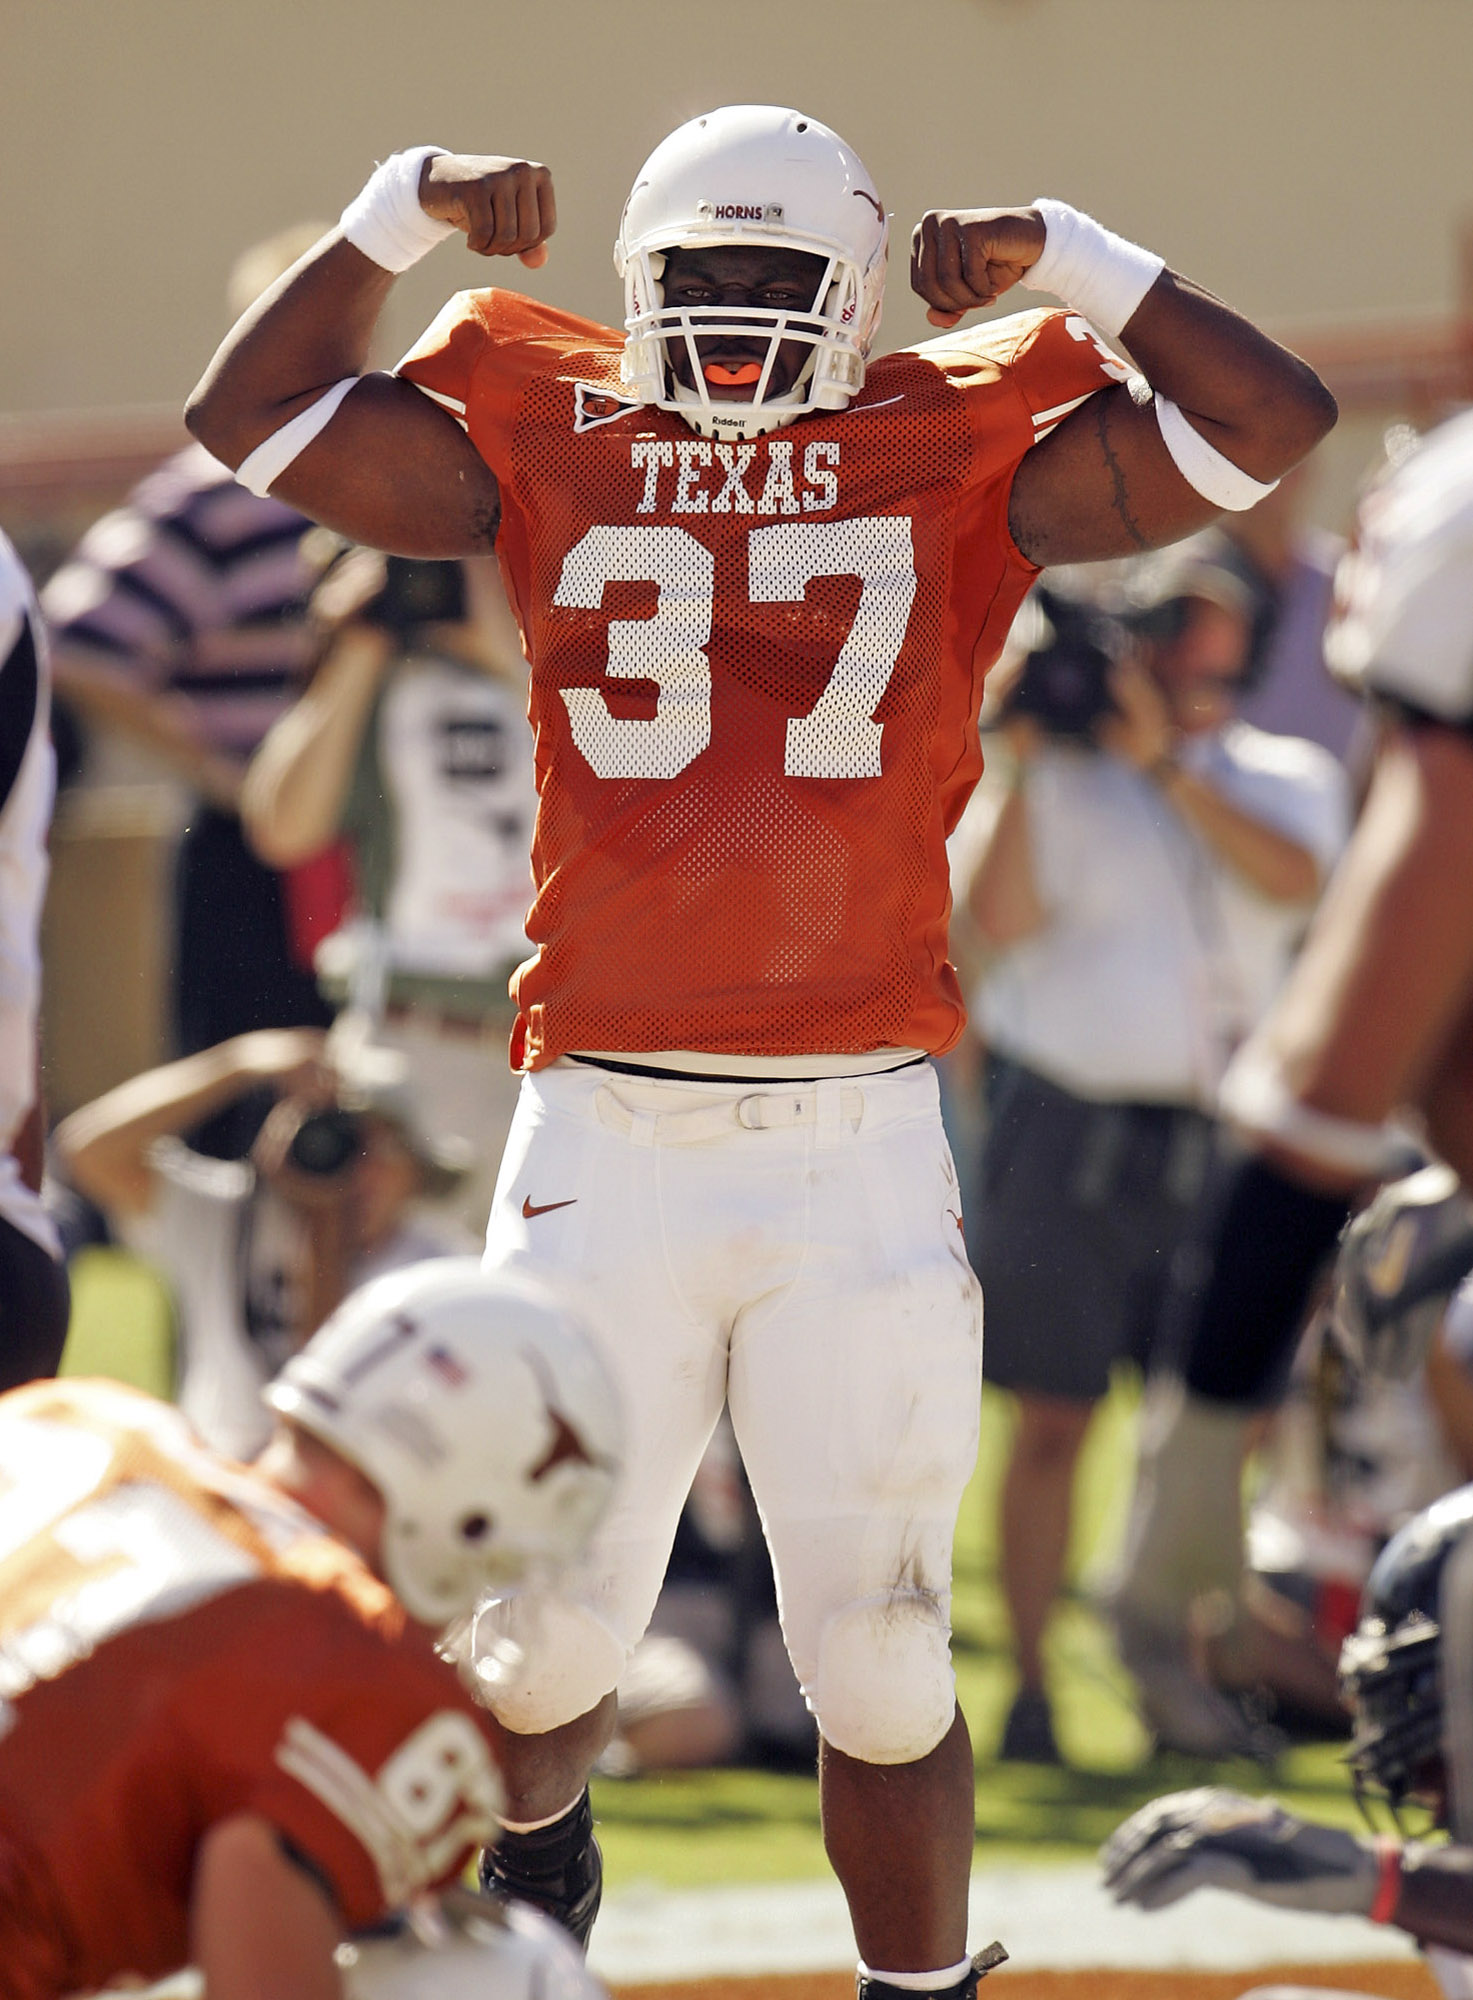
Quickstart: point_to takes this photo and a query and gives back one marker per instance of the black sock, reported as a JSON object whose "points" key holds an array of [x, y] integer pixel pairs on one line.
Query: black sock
{"points": [[1243, 1279]]}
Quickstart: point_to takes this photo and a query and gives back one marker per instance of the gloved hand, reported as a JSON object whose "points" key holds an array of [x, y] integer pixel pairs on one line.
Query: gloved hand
{"points": [[1213, 1838]]}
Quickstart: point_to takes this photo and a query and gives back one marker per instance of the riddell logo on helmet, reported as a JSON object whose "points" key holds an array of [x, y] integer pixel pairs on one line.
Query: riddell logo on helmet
{"points": [[739, 211]]}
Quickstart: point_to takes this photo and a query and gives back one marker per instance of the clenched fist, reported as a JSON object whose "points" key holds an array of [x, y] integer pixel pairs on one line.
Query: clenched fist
{"points": [[506, 207], [963, 258]]}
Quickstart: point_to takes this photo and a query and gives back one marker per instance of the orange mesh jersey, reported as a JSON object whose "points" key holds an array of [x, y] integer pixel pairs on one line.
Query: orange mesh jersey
{"points": [[756, 672], [178, 1644]]}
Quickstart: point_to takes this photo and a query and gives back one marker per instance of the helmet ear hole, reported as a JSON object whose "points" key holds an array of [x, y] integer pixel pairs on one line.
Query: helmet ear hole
{"points": [[475, 1527]]}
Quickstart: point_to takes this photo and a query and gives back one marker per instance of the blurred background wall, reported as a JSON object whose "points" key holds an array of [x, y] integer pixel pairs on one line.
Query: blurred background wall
{"points": [[1311, 160]]}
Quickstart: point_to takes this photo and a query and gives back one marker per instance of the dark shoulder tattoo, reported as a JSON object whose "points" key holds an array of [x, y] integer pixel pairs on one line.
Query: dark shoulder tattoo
{"points": [[1118, 498]]}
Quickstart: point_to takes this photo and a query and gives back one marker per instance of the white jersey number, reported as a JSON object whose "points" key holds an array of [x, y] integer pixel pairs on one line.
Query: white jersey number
{"points": [[838, 738]]}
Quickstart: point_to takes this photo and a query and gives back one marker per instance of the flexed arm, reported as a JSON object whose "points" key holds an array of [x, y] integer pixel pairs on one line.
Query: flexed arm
{"points": [[386, 467], [1233, 409]]}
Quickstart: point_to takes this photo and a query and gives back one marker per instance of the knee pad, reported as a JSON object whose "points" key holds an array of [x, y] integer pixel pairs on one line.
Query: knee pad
{"points": [[884, 1691], [542, 1662]]}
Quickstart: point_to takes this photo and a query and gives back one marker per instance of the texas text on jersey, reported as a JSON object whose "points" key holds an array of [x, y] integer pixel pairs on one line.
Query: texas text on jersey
{"points": [[178, 1644], [803, 621]]}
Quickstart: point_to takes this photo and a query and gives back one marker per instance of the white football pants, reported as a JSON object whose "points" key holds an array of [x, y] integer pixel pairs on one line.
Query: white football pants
{"points": [[795, 1251]]}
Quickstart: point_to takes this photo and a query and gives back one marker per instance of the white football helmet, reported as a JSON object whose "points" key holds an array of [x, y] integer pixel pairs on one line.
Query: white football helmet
{"points": [[1402, 624], [465, 1947], [753, 174], [476, 1404]]}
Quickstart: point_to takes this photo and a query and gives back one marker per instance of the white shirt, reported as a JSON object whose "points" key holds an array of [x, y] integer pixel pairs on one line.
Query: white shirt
{"points": [[456, 756], [1157, 958]]}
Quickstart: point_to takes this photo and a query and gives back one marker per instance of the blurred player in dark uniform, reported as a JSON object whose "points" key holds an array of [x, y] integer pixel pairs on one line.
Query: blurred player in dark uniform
{"points": [[1407, 1674], [760, 578], [1375, 1020]]}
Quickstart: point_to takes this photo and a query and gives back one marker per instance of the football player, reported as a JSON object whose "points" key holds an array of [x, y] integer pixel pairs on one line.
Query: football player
{"points": [[226, 1737], [760, 573], [1375, 1019], [1407, 1675]]}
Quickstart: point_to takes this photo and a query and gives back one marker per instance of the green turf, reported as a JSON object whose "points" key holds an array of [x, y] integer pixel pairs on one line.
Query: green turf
{"points": [[121, 1322], [690, 1828]]}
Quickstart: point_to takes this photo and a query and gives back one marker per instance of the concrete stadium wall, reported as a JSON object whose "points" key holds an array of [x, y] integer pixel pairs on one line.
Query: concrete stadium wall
{"points": [[1307, 158]]}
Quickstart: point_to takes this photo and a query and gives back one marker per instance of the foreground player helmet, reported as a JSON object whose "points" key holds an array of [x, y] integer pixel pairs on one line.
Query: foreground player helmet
{"points": [[1390, 1666], [465, 1947], [475, 1403], [744, 175]]}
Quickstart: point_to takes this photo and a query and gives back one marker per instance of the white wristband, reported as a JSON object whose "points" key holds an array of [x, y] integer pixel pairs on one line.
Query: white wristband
{"points": [[260, 469], [1090, 268], [1255, 1094], [386, 221], [1203, 466]]}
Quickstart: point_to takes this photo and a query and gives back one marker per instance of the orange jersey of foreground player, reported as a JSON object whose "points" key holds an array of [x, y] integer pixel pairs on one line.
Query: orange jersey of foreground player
{"points": [[756, 673], [178, 1644]]}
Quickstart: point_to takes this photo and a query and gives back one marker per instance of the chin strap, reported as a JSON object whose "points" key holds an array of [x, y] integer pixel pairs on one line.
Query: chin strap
{"points": [[739, 420]]}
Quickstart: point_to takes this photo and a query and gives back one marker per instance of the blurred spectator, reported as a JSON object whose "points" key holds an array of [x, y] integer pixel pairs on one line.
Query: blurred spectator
{"points": [[34, 1296], [259, 1252], [179, 621], [1143, 888], [1289, 566], [412, 745]]}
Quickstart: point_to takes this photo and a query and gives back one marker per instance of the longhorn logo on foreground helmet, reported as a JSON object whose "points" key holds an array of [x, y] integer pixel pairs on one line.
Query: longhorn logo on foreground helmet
{"points": [[475, 1402], [752, 176]]}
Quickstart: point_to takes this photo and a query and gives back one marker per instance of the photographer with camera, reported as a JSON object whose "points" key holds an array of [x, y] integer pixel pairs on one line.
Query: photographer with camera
{"points": [[258, 1252], [1141, 893], [411, 745]]}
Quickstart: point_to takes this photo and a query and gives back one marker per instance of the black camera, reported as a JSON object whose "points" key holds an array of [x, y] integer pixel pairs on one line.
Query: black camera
{"points": [[326, 1143], [1064, 685], [417, 593]]}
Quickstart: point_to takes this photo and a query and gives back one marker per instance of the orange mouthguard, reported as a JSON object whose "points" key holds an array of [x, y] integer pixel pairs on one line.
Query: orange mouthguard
{"points": [[733, 378]]}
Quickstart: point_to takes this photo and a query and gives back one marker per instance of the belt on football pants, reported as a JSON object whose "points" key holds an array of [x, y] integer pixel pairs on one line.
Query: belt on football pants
{"points": [[829, 1105]]}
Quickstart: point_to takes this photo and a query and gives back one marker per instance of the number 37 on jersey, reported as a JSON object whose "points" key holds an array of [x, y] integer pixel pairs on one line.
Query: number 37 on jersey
{"points": [[838, 738]]}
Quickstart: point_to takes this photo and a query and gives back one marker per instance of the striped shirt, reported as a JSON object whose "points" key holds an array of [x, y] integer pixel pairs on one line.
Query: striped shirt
{"points": [[200, 589]]}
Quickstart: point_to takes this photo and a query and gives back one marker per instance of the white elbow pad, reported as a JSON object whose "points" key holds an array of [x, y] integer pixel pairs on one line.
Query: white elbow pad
{"points": [[1255, 1095], [260, 469], [1203, 466]]}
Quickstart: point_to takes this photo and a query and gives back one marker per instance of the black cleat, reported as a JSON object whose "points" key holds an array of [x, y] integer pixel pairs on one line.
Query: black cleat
{"points": [[558, 1869]]}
